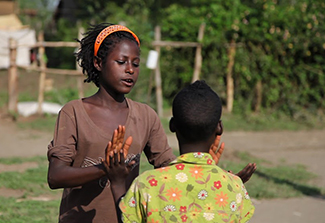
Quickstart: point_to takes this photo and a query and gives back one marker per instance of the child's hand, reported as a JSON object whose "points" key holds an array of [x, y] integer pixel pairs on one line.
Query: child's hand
{"points": [[116, 145], [214, 147], [246, 173], [117, 170]]}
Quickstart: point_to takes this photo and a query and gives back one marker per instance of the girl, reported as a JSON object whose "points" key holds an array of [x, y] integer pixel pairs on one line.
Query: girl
{"points": [[110, 57]]}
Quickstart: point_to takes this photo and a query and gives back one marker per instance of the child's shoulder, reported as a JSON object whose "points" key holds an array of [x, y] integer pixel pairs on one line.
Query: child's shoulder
{"points": [[72, 105], [140, 107]]}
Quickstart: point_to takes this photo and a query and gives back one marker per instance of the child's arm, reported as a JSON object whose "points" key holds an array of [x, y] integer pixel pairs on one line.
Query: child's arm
{"points": [[61, 174]]}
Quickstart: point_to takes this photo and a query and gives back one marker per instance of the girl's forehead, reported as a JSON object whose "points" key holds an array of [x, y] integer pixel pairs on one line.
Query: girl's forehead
{"points": [[126, 46]]}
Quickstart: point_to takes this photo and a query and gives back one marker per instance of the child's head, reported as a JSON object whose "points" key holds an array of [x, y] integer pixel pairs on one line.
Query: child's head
{"points": [[196, 113], [99, 41]]}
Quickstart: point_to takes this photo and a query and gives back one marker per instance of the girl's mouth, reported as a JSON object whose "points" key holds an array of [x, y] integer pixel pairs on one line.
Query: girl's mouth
{"points": [[128, 82]]}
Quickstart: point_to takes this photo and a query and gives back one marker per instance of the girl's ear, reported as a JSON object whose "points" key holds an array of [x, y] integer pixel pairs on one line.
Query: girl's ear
{"points": [[219, 128], [172, 125], [97, 63]]}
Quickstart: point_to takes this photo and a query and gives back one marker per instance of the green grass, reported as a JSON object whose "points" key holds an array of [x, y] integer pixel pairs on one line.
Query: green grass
{"points": [[28, 211], [275, 181]]}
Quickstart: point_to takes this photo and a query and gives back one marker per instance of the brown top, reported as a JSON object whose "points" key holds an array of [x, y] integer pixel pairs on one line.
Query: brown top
{"points": [[79, 141]]}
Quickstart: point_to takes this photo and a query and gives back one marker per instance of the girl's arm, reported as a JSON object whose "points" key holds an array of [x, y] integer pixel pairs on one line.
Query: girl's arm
{"points": [[61, 174]]}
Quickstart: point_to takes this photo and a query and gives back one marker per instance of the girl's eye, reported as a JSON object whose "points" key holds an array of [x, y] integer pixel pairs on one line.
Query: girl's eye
{"points": [[136, 64], [120, 61]]}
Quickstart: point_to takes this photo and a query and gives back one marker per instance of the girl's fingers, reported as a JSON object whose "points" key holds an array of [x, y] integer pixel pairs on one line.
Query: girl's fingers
{"points": [[214, 151], [121, 156], [111, 159], [127, 145], [107, 151], [220, 151]]}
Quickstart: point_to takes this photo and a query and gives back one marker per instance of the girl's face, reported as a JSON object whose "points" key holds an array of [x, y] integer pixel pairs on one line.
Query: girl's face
{"points": [[121, 70]]}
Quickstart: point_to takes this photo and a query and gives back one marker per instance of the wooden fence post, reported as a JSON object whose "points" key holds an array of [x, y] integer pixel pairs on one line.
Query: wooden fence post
{"points": [[159, 96], [13, 77], [41, 54], [198, 54], [230, 80]]}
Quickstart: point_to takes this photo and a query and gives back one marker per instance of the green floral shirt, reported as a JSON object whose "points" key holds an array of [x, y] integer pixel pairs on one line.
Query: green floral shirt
{"points": [[191, 189]]}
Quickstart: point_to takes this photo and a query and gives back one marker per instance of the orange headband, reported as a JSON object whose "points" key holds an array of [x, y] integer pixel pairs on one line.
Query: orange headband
{"points": [[109, 30]]}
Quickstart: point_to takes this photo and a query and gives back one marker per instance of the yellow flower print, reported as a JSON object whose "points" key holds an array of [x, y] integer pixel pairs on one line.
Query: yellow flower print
{"points": [[194, 214], [174, 194], [208, 207], [196, 172], [165, 178]]}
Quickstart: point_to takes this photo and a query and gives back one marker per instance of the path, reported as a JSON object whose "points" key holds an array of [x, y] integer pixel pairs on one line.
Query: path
{"points": [[307, 148]]}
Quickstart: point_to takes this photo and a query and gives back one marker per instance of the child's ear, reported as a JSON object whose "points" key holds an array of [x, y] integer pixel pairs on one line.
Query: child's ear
{"points": [[172, 125], [97, 63], [219, 128]]}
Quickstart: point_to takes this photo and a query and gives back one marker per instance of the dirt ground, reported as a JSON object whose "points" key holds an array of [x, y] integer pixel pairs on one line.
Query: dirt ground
{"points": [[305, 147]]}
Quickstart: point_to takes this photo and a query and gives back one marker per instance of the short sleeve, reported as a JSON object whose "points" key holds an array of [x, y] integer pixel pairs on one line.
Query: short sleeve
{"points": [[133, 204], [63, 145], [157, 150], [246, 208]]}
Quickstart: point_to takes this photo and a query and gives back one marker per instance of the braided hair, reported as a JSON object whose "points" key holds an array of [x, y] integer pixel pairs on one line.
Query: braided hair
{"points": [[85, 55]]}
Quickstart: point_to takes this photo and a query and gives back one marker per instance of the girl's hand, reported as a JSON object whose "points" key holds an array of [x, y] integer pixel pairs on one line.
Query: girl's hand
{"points": [[214, 151], [246, 173], [117, 170], [116, 145]]}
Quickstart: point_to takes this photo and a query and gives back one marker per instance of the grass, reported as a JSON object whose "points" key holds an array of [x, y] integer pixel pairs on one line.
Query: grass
{"points": [[268, 182]]}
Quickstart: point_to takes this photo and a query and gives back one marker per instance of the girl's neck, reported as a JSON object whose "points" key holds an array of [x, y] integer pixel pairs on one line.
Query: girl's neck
{"points": [[107, 99]]}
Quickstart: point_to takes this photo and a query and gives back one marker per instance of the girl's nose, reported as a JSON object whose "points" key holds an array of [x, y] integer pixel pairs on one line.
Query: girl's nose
{"points": [[129, 69]]}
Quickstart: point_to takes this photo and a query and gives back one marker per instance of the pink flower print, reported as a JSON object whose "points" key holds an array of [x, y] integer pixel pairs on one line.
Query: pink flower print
{"points": [[180, 166], [153, 182], [184, 218], [209, 161], [182, 210], [217, 184]]}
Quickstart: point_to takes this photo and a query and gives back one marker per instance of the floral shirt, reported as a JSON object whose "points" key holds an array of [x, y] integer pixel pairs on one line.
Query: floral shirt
{"points": [[191, 189]]}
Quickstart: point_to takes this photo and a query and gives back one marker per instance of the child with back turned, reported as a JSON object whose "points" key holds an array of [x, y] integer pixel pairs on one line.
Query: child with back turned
{"points": [[192, 188]]}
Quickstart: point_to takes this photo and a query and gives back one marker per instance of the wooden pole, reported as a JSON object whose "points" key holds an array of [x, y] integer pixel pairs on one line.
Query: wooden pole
{"points": [[159, 96], [258, 99], [198, 54], [80, 78], [41, 54], [230, 80], [13, 77]]}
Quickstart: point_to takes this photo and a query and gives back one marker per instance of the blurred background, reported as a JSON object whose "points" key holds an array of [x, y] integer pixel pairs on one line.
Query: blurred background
{"points": [[265, 59]]}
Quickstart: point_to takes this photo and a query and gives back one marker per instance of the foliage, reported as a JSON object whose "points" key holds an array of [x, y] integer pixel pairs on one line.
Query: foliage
{"points": [[280, 43], [277, 42]]}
